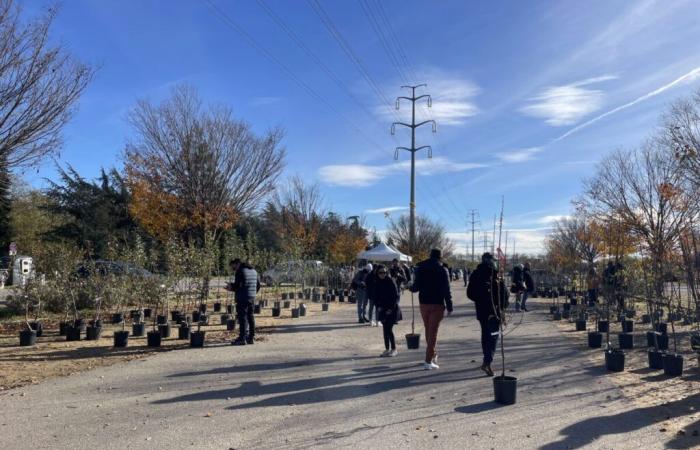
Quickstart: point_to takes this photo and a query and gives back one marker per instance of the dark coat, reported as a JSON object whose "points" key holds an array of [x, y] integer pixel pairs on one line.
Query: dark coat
{"points": [[398, 275], [518, 280], [529, 282], [432, 284], [370, 280], [246, 284], [386, 297], [485, 291]]}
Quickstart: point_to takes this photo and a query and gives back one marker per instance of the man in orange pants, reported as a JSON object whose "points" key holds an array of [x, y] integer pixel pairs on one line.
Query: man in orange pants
{"points": [[432, 283]]}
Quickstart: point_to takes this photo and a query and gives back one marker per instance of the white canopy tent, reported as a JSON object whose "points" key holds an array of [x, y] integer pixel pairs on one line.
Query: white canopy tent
{"points": [[383, 252]]}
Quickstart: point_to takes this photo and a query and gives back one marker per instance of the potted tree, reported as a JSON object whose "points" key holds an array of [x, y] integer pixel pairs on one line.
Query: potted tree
{"points": [[673, 362]]}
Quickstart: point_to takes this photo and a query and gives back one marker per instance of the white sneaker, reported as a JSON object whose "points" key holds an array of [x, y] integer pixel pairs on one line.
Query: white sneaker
{"points": [[430, 366], [374, 323], [385, 354], [393, 353]]}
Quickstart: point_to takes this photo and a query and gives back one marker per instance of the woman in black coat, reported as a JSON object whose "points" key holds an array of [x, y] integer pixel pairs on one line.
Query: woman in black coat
{"points": [[386, 297]]}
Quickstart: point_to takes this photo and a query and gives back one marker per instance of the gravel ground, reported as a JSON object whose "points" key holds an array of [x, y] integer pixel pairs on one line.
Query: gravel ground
{"points": [[318, 382]]}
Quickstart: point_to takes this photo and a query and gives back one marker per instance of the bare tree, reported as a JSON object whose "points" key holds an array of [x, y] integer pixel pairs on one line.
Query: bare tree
{"points": [[39, 87], [429, 235], [580, 237], [202, 162]]}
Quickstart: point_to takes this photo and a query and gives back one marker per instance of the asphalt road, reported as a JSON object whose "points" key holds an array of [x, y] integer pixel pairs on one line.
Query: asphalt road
{"points": [[319, 383]]}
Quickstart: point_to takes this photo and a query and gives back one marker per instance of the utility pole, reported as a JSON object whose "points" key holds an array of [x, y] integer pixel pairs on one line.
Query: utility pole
{"points": [[493, 243], [473, 213], [413, 125]]}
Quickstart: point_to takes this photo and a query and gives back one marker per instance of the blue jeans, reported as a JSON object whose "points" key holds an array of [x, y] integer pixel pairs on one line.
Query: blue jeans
{"points": [[488, 341], [372, 308], [361, 296], [522, 302]]}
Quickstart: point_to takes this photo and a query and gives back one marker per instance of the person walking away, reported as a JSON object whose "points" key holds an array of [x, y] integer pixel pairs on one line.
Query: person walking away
{"points": [[386, 297], [246, 285], [529, 285], [360, 287], [518, 285], [490, 297], [433, 286], [369, 282], [465, 274], [592, 283]]}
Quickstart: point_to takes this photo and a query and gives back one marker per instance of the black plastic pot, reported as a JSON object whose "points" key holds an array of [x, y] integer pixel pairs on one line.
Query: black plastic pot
{"points": [[257, 309], [300, 295], [574, 301], [295, 313], [302, 310], [324, 307], [62, 328], [566, 307], [93, 333], [661, 340], [672, 317], [183, 332], [284, 296], [121, 338], [626, 340], [180, 319], [38, 327], [27, 338], [80, 324], [196, 315], [646, 318], [276, 311], [153, 338], [630, 313], [147, 313], [307, 296], [229, 309], [627, 326], [164, 330], [224, 318], [580, 325], [615, 360], [673, 364], [277, 305], [286, 305], [505, 389], [556, 316], [566, 314], [138, 329], [161, 320], [662, 327], [656, 359], [413, 341], [203, 319], [72, 333], [203, 308], [603, 326], [197, 338], [695, 342], [595, 339], [217, 307], [341, 297], [231, 324], [553, 309], [96, 323], [134, 314], [175, 316], [117, 318]]}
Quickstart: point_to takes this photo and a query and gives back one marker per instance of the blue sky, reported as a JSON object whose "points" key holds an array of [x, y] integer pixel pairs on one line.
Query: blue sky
{"points": [[528, 96]]}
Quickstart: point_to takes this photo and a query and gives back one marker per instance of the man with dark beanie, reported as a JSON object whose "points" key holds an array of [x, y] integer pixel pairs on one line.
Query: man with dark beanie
{"points": [[433, 286], [490, 296], [246, 286]]}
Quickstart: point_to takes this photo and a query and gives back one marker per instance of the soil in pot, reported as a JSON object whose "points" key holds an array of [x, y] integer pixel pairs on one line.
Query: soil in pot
{"points": [[153, 338], [626, 340], [138, 329], [413, 341], [183, 332], [324, 307], [627, 326], [673, 364], [230, 325], [117, 318], [603, 326], [580, 325], [161, 320], [505, 389], [655, 359], [121, 338], [276, 311], [302, 310], [197, 338], [295, 313], [38, 327], [595, 339], [72, 333], [217, 307], [615, 360], [27, 338], [164, 330], [93, 333]]}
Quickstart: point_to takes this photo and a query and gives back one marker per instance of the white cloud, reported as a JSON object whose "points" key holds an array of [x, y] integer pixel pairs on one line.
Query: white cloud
{"points": [[549, 220], [519, 155], [358, 175], [526, 241], [387, 209], [565, 105]]}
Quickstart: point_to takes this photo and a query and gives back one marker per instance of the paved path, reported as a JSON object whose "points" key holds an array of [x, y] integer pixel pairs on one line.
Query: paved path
{"points": [[318, 382]]}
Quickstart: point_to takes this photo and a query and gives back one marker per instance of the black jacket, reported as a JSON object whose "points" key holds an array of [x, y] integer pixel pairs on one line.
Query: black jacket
{"points": [[246, 284], [432, 284], [370, 280], [398, 275], [529, 282], [485, 290], [385, 293]]}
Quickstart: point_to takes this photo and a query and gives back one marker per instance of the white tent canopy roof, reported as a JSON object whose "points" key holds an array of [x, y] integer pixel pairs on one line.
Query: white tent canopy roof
{"points": [[383, 252]]}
